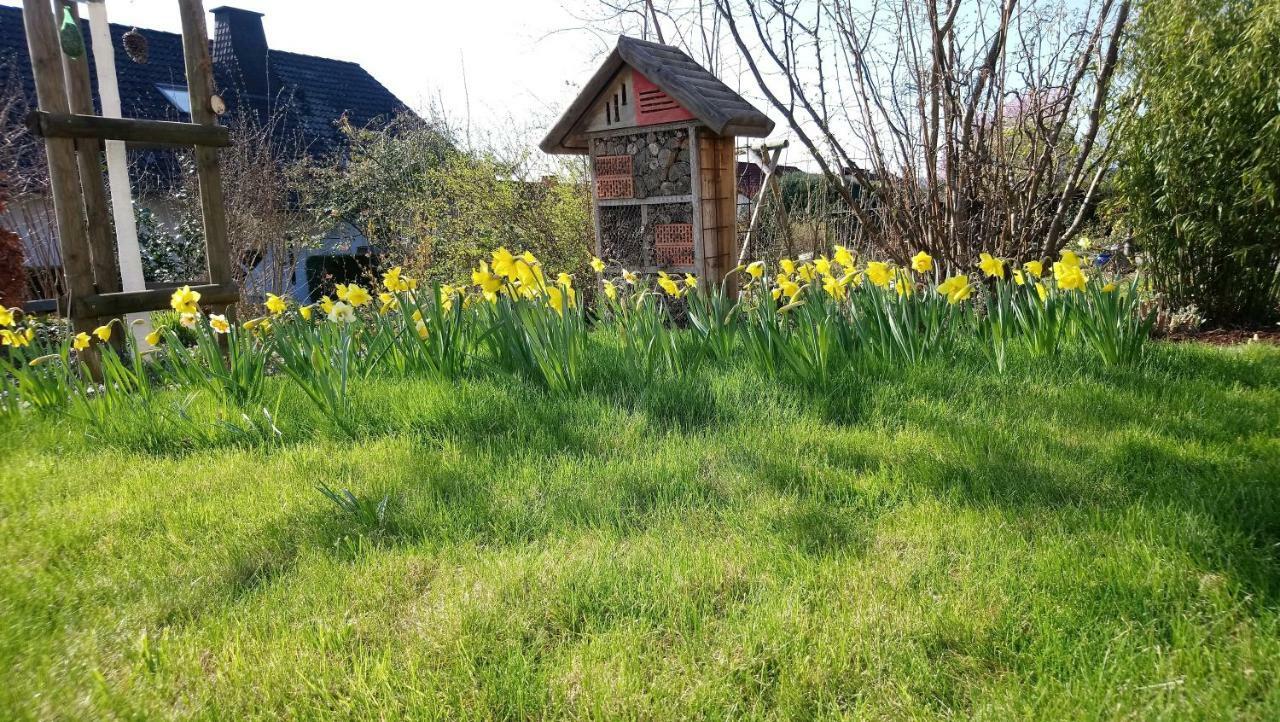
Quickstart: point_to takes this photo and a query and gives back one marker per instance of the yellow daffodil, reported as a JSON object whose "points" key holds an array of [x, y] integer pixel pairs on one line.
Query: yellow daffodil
{"points": [[529, 258], [956, 288], [834, 287], [421, 327], [555, 299], [755, 269], [488, 283], [81, 341], [597, 265], [690, 280], [526, 276], [154, 338], [610, 291], [1042, 292], [922, 262], [6, 316], [1069, 264], [806, 273], [342, 312], [823, 266], [184, 300], [789, 288], [669, 285], [1070, 278], [103, 333], [218, 323], [787, 265], [879, 273], [843, 257], [394, 281], [326, 304], [504, 264], [564, 280], [1109, 287], [305, 312], [903, 285], [275, 304], [990, 265], [342, 290], [357, 296], [388, 302], [1035, 268], [1019, 278]]}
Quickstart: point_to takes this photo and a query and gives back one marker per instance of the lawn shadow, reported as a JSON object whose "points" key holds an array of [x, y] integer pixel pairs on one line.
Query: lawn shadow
{"points": [[1118, 468]]}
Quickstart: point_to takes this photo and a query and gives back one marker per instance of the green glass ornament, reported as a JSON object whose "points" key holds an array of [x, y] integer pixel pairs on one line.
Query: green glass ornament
{"points": [[72, 42]]}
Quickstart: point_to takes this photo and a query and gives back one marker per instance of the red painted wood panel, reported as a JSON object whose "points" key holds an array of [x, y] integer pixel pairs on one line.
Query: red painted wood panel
{"points": [[653, 105]]}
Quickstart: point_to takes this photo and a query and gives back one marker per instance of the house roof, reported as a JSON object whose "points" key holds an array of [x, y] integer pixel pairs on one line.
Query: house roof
{"points": [[751, 176], [320, 90], [701, 93]]}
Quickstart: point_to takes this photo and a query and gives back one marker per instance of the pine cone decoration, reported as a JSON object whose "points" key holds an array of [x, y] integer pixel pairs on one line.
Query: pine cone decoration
{"points": [[135, 46]]}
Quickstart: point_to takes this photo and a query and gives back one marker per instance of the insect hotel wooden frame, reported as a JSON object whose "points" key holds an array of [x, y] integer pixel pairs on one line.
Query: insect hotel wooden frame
{"points": [[74, 137], [659, 130]]}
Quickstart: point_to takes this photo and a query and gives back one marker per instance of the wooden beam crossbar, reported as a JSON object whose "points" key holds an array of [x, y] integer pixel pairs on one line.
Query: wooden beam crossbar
{"points": [[101, 305], [129, 130]]}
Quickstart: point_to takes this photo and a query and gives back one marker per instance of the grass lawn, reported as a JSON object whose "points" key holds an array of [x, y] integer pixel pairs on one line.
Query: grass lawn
{"points": [[936, 541]]}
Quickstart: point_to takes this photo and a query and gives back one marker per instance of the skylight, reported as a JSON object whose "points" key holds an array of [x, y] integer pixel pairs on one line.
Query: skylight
{"points": [[177, 96]]}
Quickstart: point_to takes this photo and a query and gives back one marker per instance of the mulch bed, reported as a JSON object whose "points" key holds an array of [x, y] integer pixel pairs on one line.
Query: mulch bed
{"points": [[1227, 336]]}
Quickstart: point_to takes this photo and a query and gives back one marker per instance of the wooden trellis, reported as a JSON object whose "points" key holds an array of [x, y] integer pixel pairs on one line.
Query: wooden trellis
{"points": [[74, 138]]}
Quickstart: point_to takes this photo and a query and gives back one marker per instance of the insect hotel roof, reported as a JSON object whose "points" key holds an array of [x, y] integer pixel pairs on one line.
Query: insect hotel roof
{"points": [[699, 93]]}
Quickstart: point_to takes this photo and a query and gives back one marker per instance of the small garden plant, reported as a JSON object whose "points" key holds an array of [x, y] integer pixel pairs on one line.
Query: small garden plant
{"points": [[809, 321]]}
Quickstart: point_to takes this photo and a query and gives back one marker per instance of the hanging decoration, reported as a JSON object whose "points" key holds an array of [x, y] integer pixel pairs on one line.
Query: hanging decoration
{"points": [[69, 34], [135, 46]]}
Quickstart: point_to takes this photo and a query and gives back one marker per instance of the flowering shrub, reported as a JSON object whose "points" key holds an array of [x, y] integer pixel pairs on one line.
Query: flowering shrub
{"points": [[808, 321]]}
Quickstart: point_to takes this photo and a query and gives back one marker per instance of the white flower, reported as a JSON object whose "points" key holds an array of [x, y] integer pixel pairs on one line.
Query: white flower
{"points": [[342, 313], [188, 320], [219, 323]]}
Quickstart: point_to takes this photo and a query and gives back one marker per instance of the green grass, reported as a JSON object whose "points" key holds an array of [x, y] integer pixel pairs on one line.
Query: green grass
{"points": [[937, 541]]}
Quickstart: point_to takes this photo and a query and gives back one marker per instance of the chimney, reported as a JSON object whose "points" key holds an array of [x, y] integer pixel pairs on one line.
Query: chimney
{"points": [[240, 44]]}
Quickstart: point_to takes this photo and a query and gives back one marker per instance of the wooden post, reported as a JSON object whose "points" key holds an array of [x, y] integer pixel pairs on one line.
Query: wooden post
{"points": [[106, 271], [64, 177], [195, 50], [768, 156], [771, 179]]}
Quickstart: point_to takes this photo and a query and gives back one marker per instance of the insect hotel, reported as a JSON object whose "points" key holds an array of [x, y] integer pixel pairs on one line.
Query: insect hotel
{"points": [[660, 131]]}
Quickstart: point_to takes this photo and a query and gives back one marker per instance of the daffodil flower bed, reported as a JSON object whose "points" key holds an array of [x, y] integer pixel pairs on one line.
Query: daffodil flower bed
{"points": [[808, 320]]}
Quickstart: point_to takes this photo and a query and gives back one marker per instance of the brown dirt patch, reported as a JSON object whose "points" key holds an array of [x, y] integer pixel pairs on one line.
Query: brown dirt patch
{"points": [[1228, 336]]}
